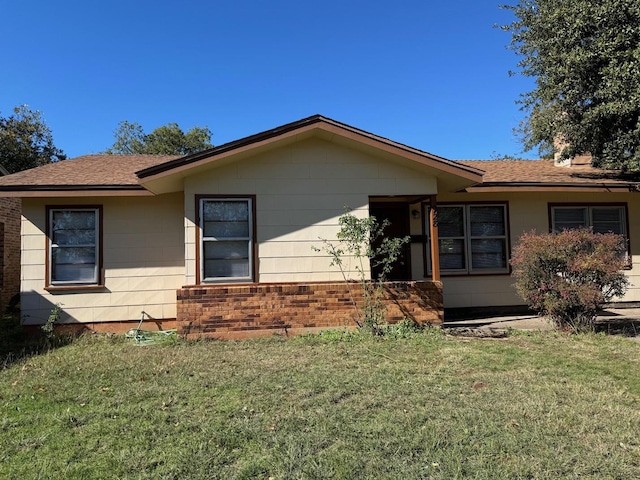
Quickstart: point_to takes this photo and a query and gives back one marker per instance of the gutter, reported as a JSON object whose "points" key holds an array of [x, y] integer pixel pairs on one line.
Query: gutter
{"points": [[538, 186]]}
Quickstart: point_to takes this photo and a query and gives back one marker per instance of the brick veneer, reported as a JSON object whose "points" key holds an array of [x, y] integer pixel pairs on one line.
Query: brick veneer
{"points": [[10, 213], [238, 311]]}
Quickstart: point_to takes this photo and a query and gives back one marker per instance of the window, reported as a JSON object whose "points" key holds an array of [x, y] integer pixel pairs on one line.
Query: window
{"points": [[74, 246], [473, 238], [226, 250], [601, 218]]}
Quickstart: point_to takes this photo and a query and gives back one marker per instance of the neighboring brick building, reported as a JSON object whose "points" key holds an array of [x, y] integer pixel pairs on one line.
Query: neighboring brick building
{"points": [[9, 249]]}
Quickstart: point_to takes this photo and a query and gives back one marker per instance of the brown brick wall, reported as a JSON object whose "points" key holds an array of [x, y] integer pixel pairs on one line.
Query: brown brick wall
{"points": [[10, 212], [237, 311]]}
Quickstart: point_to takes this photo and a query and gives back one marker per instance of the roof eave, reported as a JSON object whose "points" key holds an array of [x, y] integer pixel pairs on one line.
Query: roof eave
{"points": [[550, 186], [72, 191]]}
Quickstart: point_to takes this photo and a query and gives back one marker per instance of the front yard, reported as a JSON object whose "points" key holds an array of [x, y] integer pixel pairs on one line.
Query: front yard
{"points": [[329, 406]]}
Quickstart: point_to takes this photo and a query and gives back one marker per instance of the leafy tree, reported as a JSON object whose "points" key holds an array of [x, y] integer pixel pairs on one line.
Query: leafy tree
{"points": [[26, 141], [165, 140], [568, 276], [130, 139], [585, 56]]}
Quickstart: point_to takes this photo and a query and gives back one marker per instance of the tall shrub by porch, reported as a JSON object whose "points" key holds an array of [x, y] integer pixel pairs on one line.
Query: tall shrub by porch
{"points": [[568, 276]]}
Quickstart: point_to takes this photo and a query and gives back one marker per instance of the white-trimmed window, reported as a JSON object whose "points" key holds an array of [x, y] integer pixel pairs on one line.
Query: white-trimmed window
{"points": [[473, 238], [601, 218], [74, 246], [226, 248]]}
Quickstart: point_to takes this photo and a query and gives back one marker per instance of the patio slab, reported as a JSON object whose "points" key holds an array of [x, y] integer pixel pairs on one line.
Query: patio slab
{"points": [[610, 319]]}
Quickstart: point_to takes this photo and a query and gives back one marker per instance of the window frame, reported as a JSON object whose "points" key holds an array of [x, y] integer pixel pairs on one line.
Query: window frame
{"points": [[57, 285], [201, 240], [467, 239], [589, 206]]}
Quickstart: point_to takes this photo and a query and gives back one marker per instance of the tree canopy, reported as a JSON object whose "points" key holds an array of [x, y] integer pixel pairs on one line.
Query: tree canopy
{"points": [[585, 57], [169, 139], [26, 141]]}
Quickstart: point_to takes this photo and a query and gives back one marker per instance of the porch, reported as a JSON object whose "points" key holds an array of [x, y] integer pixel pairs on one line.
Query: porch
{"points": [[241, 311]]}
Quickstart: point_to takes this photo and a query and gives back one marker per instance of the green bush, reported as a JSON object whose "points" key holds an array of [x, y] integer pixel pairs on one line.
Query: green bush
{"points": [[356, 240], [568, 276]]}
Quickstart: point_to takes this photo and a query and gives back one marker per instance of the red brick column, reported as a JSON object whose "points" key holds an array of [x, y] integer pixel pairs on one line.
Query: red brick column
{"points": [[237, 311], [10, 216]]}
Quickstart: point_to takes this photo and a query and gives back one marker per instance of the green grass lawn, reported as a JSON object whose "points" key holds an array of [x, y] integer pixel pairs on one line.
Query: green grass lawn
{"points": [[330, 406]]}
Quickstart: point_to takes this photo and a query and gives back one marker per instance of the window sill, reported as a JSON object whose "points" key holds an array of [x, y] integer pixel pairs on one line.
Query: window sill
{"points": [[74, 288], [229, 280]]}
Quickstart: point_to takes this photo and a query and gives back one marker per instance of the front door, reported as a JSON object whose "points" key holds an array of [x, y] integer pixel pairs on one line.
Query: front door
{"points": [[398, 216]]}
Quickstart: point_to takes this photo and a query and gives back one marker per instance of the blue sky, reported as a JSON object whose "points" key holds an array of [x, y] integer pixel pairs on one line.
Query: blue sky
{"points": [[433, 75]]}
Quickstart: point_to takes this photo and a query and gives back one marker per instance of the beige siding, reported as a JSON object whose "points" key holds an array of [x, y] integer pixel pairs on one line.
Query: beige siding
{"points": [[144, 263], [529, 211], [150, 247], [301, 190]]}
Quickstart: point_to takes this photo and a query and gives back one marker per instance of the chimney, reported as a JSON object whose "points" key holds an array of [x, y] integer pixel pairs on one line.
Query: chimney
{"points": [[580, 160]]}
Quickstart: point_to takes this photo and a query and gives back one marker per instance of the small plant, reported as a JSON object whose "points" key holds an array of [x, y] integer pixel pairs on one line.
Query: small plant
{"points": [[363, 240], [568, 276], [403, 329], [48, 329]]}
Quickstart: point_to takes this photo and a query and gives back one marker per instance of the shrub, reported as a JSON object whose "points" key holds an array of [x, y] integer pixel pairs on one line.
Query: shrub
{"points": [[48, 329], [568, 276], [357, 239]]}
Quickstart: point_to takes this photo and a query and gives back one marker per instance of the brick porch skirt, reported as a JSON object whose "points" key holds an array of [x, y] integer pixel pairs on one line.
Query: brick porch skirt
{"points": [[241, 311]]}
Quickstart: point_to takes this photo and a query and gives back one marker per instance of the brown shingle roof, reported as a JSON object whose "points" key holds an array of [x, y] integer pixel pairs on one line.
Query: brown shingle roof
{"points": [[117, 172], [544, 172], [103, 172], [99, 170]]}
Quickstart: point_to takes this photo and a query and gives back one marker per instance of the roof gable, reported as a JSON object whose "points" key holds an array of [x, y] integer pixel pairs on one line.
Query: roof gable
{"points": [[169, 176]]}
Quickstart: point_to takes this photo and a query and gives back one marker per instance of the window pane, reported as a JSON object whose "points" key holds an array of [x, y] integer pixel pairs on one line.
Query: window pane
{"points": [[74, 237], [75, 255], [226, 229], [451, 254], [226, 210], [226, 268], [487, 221], [450, 222], [226, 218], [73, 219], [607, 219], [228, 250], [226, 259], [569, 218], [71, 227], [489, 253], [73, 264], [74, 273]]}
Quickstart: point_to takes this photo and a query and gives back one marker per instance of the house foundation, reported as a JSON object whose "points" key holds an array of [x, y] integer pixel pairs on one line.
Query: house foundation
{"points": [[242, 311]]}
